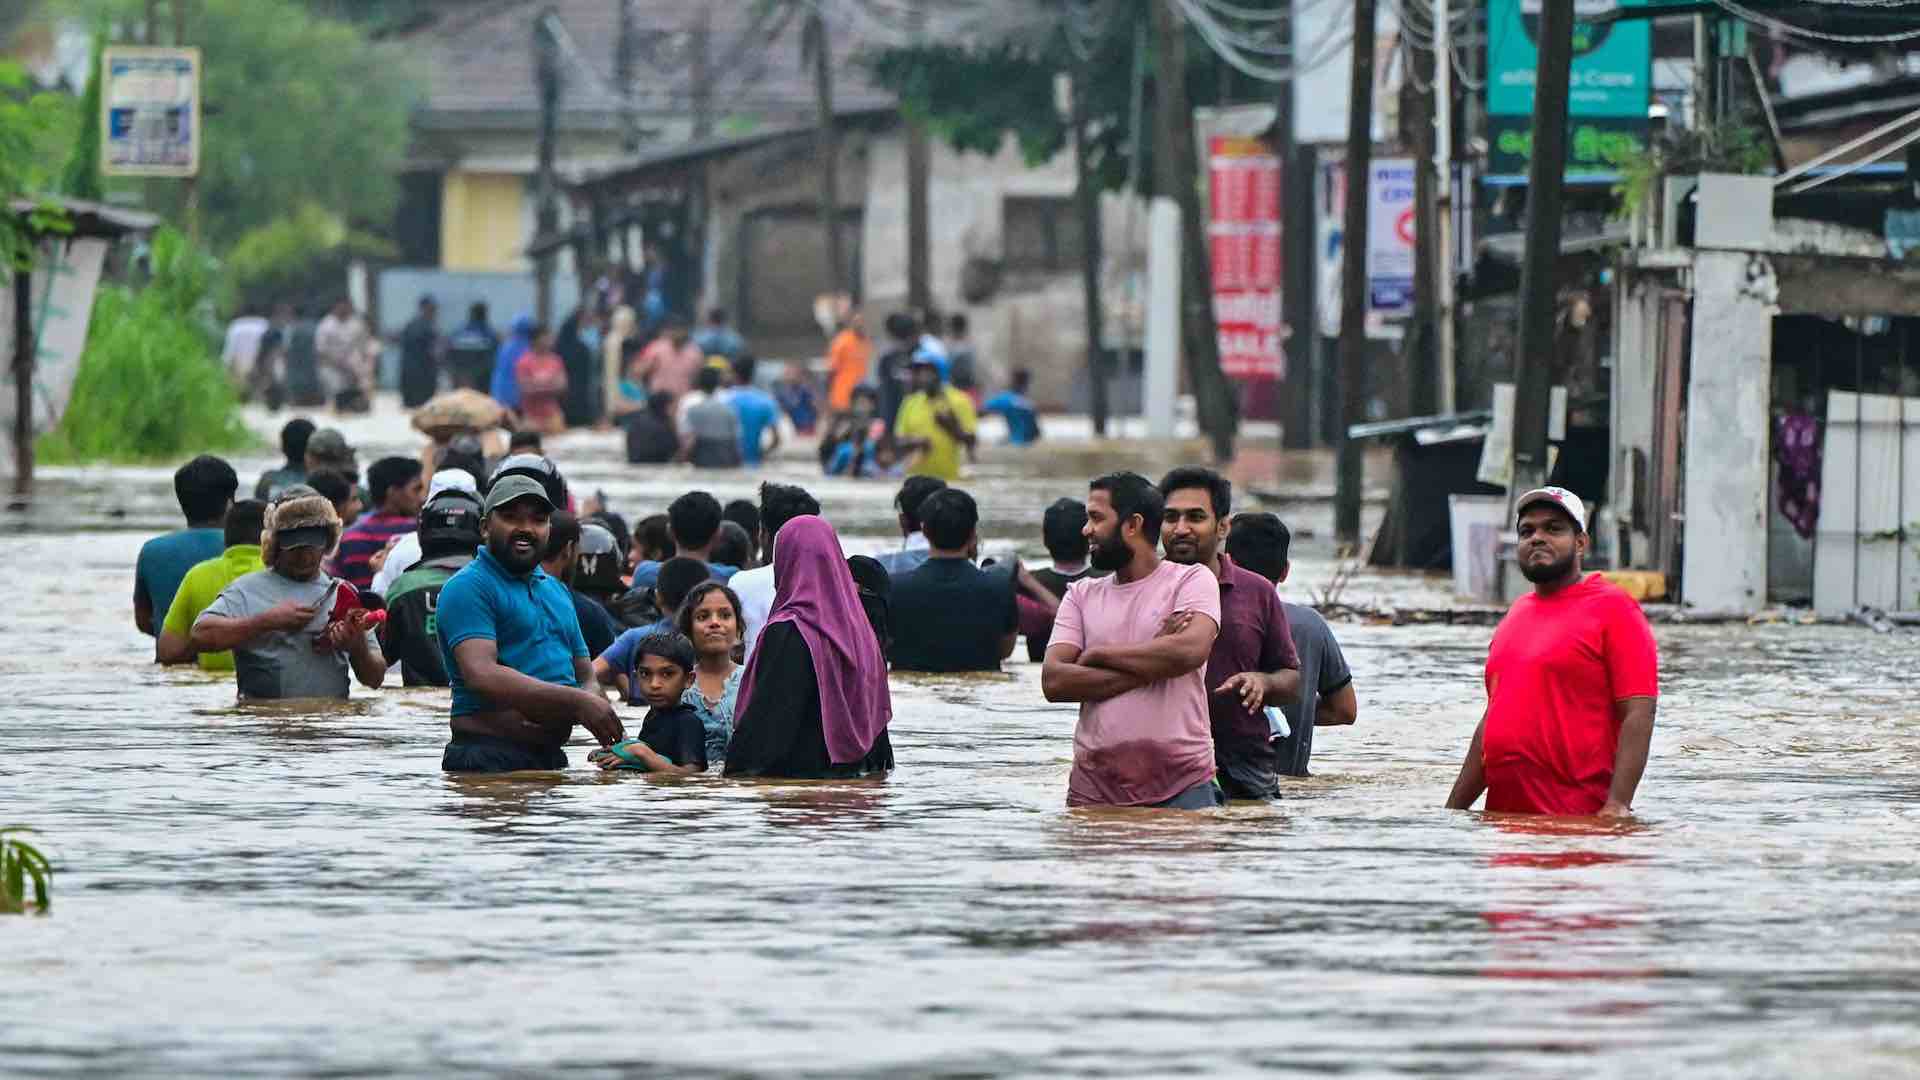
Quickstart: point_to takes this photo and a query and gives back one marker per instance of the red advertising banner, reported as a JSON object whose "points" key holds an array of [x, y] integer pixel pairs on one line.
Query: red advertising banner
{"points": [[1244, 240]]}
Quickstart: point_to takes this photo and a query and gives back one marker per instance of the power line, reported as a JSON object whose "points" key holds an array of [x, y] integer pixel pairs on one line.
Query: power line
{"points": [[1796, 30]]}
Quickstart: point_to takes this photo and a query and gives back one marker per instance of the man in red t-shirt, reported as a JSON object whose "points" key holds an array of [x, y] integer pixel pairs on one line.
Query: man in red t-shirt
{"points": [[1572, 676]]}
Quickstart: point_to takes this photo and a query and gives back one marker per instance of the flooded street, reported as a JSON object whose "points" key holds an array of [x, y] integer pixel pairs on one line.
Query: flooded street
{"points": [[246, 891]]}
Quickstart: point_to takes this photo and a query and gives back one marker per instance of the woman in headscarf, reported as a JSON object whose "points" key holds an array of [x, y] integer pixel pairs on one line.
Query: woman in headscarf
{"points": [[613, 363], [814, 701], [579, 406], [505, 387]]}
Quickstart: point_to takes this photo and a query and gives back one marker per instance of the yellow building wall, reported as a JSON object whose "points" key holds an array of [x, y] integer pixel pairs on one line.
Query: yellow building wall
{"points": [[480, 221]]}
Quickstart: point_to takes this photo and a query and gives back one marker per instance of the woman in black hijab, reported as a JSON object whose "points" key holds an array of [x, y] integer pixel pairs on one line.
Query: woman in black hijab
{"points": [[583, 376]]}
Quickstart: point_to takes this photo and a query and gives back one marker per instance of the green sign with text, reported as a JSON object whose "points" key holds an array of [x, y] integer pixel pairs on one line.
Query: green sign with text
{"points": [[1608, 88]]}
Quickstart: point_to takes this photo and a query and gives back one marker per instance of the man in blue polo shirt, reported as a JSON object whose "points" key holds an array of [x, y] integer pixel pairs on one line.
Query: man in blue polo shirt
{"points": [[513, 648]]}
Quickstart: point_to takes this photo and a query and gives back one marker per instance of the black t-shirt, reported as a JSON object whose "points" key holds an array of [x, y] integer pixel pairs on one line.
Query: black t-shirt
{"points": [[596, 625], [1056, 583], [649, 440], [677, 735], [950, 615]]}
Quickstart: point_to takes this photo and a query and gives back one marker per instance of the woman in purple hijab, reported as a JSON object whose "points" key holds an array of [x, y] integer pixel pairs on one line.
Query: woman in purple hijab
{"points": [[814, 701]]}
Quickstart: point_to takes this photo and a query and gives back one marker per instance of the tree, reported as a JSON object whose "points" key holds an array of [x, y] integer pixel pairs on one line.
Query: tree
{"points": [[976, 93], [25, 122], [301, 110]]}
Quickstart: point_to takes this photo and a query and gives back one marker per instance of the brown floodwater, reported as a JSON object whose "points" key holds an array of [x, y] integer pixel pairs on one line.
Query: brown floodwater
{"points": [[302, 891]]}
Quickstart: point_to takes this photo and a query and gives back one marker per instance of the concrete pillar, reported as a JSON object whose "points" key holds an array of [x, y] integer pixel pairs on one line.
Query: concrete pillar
{"points": [[1163, 318], [1725, 564]]}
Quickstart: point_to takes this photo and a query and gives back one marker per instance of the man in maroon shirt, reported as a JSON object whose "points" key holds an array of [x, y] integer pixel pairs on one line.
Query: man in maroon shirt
{"points": [[1253, 663]]}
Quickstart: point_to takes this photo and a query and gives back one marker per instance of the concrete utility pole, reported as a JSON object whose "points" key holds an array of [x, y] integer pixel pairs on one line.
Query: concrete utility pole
{"points": [[700, 71], [191, 185], [1546, 175], [623, 45], [1417, 123], [1353, 277], [1087, 198], [826, 145], [1296, 260], [547, 213], [1443, 204], [919, 160]]}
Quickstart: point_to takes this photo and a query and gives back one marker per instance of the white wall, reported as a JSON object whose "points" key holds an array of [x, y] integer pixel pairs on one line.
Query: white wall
{"points": [[1725, 562]]}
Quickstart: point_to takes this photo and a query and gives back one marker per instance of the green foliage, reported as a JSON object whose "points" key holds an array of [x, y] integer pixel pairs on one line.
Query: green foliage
{"points": [[150, 385], [309, 111], [299, 256], [24, 123], [1730, 147], [81, 178], [21, 864]]}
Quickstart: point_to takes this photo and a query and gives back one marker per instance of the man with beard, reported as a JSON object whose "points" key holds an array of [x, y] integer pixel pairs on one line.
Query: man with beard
{"points": [[511, 642], [1131, 649], [1572, 677], [1253, 663]]}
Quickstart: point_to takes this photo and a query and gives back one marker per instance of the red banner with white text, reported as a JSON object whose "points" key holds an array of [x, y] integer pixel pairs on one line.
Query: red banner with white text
{"points": [[1243, 234]]}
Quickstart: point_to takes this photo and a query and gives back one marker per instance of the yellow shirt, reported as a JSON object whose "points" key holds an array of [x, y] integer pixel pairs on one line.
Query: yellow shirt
{"points": [[201, 587], [916, 421]]}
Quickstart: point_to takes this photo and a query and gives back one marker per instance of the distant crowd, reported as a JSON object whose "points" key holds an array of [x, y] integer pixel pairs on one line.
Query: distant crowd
{"points": [[680, 393]]}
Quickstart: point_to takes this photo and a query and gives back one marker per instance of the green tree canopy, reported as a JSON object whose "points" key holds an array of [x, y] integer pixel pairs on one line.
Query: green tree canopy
{"points": [[302, 110]]}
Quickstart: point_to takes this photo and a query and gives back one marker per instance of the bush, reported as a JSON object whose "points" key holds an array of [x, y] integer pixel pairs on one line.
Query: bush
{"points": [[300, 258], [20, 863], [150, 385]]}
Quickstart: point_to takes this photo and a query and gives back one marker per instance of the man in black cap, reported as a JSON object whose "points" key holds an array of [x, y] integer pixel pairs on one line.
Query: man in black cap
{"points": [[511, 641]]}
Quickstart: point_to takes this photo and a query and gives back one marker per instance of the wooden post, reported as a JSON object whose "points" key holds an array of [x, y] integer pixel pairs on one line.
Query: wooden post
{"points": [[827, 146], [23, 360], [547, 213], [1296, 263], [1353, 278]]}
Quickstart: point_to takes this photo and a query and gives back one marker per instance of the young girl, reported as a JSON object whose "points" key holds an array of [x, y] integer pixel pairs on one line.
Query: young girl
{"points": [[710, 618]]}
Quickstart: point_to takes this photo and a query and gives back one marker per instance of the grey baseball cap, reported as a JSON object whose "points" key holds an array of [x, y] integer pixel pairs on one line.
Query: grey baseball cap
{"points": [[508, 488], [330, 446]]}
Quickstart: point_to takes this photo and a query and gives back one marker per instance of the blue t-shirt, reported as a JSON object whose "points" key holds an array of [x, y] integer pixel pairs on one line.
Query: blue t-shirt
{"points": [[530, 620], [624, 655], [164, 562], [757, 412], [1023, 427], [646, 574]]}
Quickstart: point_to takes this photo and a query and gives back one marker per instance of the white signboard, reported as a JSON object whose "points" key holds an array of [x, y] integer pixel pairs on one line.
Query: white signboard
{"points": [[1390, 233], [150, 112]]}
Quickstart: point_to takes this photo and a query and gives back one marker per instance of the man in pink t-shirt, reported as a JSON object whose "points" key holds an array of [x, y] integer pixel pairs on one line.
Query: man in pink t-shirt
{"points": [[1132, 648], [669, 364]]}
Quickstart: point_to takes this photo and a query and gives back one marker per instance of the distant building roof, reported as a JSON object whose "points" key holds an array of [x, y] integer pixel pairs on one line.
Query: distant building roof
{"points": [[480, 65]]}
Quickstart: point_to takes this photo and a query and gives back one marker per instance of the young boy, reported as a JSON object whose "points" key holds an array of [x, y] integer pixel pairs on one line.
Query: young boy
{"points": [[672, 738]]}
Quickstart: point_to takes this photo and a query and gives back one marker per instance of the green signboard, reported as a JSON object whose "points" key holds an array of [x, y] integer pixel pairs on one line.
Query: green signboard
{"points": [[1607, 95]]}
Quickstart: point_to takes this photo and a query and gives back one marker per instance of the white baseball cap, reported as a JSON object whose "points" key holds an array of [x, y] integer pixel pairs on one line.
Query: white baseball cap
{"points": [[1559, 496]]}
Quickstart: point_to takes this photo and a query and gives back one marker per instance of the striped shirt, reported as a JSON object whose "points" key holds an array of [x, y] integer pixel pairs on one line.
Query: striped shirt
{"points": [[360, 543]]}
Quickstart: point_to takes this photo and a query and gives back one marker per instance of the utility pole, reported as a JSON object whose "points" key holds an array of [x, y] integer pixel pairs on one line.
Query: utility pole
{"points": [[1443, 205], [1353, 277], [623, 45], [700, 72], [826, 145], [191, 185], [547, 213], [1546, 175], [1179, 180], [1296, 261], [1417, 124], [1087, 195], [919, 158]]}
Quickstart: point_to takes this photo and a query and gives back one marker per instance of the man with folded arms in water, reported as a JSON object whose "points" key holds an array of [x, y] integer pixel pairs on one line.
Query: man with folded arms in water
{"points": [[514, 652], [1572, 676], [1132, 649]]}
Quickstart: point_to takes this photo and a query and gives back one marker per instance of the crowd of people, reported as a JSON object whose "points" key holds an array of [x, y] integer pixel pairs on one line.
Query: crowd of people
{"points": [[680, 393], [757, 647]]}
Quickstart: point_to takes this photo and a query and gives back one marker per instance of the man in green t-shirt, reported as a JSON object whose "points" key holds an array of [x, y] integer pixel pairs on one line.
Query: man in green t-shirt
{"points": [[205, 581], [449, 538]]}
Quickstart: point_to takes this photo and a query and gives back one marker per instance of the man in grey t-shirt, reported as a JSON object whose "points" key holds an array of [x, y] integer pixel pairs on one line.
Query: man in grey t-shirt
{"points": [[1260, 543], [279, 621]]}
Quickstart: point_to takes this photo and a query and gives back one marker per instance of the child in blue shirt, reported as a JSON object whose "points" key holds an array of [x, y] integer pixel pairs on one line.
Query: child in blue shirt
{"points": [[1016, 408]]}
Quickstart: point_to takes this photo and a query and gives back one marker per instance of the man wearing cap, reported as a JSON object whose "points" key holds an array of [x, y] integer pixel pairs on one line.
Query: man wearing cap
{"points": [[934, 422], [328, 449], [280, 622], [512, 645], [1572, 677]]}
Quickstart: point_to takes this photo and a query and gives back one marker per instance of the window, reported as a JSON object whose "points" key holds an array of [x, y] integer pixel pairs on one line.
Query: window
{"points": [[1040, 233]]}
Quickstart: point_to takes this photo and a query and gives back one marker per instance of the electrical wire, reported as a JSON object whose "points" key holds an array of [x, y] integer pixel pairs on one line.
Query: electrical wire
{"points": [[1795, 30]]}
